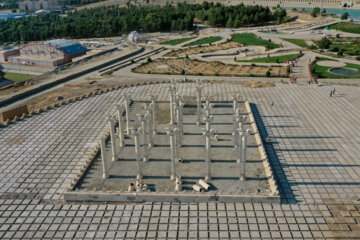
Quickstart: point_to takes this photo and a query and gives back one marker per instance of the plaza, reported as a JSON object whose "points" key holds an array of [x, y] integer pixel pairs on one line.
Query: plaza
{"points": [[313, 148]]}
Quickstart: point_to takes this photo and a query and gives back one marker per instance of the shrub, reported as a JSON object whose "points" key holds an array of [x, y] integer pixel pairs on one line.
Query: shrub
{"points": [[182, 72], [267, 74], [344, 16], [315, 12], [149, 59]]}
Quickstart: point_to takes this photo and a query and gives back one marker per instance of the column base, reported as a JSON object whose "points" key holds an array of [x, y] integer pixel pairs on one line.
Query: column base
{"points": [[243, 178]]}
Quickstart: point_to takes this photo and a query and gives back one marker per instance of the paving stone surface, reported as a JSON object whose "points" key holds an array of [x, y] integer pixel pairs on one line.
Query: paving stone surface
{"points": [[314, 152]]}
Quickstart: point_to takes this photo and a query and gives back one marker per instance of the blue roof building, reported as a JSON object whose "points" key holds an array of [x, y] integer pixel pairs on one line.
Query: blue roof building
{"points": [[68, 47]]}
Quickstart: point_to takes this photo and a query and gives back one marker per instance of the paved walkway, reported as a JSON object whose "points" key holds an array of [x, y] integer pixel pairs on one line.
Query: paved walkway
{"points": [[315, 154]]}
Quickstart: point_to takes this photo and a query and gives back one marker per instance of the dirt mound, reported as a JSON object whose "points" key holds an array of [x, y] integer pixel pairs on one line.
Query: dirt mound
{"points": [[258, 84]]}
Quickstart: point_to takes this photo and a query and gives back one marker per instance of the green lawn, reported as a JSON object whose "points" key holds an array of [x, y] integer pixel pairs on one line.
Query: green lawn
{"points": [[299, 42], [251, 39], [278, 59], [18, 77], [177, 41], [347, 27], [204, 41], [323, 71], [352, 49]]}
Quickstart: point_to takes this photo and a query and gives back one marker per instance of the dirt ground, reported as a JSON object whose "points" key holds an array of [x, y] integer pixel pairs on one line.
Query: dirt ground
{"points": [[68, 91], [196, 67], [258, 84], [302, 17], [204, 49]]}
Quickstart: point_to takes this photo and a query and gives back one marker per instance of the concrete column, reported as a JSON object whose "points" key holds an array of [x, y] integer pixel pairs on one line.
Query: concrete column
{"points": [[243, 136], [112, 136], [121, 123], [208, 135], [198, 103], [172, 132], [149, 124], [143, 119], [127, 100], [102, 145], [153, 108], [136, 135]]}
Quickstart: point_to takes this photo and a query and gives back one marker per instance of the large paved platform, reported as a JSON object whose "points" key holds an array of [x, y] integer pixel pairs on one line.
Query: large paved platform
{"points": [[314, 151]]}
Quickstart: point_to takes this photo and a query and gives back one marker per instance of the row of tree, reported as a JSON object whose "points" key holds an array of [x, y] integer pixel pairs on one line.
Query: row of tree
{"points": [[112, 21]]}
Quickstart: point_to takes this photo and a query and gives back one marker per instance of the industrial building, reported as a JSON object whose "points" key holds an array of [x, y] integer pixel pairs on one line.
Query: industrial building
{"points": [[6, 52], [48, 53]]}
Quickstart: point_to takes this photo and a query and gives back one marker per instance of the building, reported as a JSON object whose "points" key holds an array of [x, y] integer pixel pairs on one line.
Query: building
{"points": [[133, 36], [6, 52], [48, 53], [33, 6]]}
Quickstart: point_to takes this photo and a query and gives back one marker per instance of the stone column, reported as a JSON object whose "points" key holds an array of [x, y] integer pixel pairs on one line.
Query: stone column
{"points": [[207, 99], [149, 124], [208, 135], [235, 107], [112, 136], [198, 101], [136, 135], [207, 108], [153, 108], [121, 131], [172, 110], [102, 145], [239, 124], [172, 132], [127, 100], [179, 120], [143, 119], [208, 120], [243, 136]]}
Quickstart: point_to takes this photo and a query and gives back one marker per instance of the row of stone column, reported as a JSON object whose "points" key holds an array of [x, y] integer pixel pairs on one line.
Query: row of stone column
{"points": [[147, 129]]}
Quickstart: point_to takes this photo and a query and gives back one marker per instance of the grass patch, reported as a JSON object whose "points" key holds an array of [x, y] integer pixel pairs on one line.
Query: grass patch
{"points": [[299, 42], [277, 59], [204, 41], [177, 41], [251, 39], [18, 77], [323, 71], [346, 27]]}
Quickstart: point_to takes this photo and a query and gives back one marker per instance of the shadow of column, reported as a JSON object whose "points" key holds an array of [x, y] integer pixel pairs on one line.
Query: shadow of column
{"points": [[284, 185]]}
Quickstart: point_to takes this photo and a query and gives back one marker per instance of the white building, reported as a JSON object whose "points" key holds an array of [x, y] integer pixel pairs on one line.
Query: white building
{"points": [[133, 36]]}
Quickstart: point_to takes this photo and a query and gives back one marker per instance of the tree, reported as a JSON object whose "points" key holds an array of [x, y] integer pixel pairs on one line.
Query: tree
{"points": [[315, 12], [344, 16], [324, 43], [323, 13]]}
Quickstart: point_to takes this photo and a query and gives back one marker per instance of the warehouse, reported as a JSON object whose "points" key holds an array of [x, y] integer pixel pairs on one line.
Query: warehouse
{"points": [[49, 53]]}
